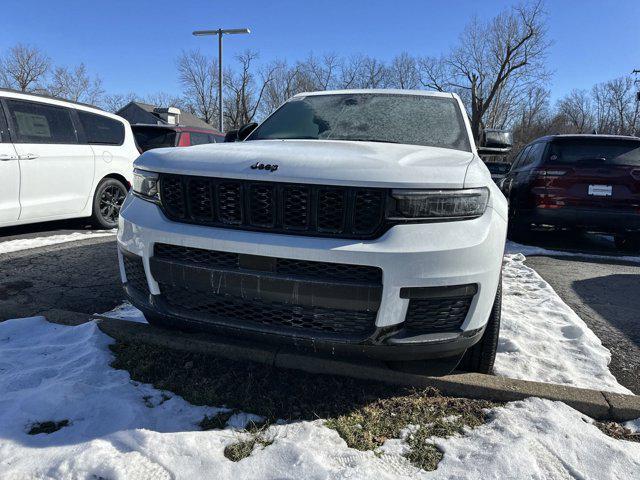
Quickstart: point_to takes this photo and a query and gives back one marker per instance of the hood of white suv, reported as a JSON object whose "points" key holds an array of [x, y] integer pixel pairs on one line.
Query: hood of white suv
{"points": [[317, 161]]}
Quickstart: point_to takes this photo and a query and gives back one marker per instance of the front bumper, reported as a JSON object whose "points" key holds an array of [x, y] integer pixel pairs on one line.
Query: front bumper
{"points": [[414, 256]]}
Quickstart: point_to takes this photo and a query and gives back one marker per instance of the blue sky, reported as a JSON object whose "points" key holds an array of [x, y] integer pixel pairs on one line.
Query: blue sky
{"points": [[133, 44]]}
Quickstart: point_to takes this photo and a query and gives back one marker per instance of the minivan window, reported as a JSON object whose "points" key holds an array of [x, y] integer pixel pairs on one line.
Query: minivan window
{"points": [[101, 130], [612, 151], [41, 123], [369, 117], [149, 138]]}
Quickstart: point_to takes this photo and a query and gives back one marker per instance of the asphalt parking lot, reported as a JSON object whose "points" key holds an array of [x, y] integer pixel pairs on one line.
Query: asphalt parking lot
{"points": [[83, 277]]}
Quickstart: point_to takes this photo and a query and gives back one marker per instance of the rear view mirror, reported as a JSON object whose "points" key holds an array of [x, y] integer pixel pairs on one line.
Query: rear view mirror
{"points": [[495, 142]]}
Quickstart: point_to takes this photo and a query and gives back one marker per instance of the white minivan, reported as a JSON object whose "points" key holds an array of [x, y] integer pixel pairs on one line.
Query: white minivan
{"points": [[61, 159]]}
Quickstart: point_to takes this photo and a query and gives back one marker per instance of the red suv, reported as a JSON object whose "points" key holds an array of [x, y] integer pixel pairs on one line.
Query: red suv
{"points": [[158, 136], [582, 182]]}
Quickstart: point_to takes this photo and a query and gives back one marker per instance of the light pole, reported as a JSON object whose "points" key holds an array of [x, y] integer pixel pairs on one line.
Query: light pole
{"points": [[220, 32]]}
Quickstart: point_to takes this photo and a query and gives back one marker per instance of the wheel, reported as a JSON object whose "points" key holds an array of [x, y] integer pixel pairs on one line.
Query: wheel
{"points": [[482, 355], [107, 200], [627, 243]]}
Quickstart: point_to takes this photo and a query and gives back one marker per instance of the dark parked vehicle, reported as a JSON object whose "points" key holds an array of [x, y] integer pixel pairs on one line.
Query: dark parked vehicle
{"points": [[498, 170], [581, 182], [157, 136]]}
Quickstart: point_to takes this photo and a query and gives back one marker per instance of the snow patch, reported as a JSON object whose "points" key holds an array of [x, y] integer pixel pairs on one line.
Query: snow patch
{"points": [[126, 311], [122, 429], [11, 246], [543, 339], [531, 250]]}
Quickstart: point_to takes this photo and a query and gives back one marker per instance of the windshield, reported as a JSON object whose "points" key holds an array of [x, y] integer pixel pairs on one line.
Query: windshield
{"points": [[148, 138], [370, 117], [595, 150]]}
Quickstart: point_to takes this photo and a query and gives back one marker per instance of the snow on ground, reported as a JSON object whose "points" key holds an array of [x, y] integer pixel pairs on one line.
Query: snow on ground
{"points": [[126, 311], [543, 339], [10, 246], [123, 429], [532, 250]]}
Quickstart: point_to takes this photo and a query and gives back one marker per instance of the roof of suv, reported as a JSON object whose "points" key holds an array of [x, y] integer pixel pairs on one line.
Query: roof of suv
{"points": [[390, 91], [585, 136]]}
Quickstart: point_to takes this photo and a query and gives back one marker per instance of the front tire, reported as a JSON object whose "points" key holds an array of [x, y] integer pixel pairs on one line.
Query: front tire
{"points": [[481, 357], [107, 200]]}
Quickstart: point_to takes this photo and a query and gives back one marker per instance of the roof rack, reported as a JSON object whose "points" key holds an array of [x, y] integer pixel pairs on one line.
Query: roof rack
{"points": [[50, 97]]}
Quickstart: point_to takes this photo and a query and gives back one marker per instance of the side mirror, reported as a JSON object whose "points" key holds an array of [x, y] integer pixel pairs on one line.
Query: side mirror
{"points": [[495, 142], [231, 136], [245, 130]]}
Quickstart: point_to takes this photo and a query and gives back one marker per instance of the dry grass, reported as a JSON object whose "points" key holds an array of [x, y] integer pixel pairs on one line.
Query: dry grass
{"points": [[364, 413]]}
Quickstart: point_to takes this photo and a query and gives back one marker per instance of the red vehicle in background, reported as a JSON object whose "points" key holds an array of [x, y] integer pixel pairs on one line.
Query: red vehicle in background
{"points": [[579, 182], [159, 136]]}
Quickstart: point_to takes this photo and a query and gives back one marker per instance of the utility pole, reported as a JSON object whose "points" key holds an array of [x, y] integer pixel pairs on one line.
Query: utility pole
{"points": [[220, 32]]}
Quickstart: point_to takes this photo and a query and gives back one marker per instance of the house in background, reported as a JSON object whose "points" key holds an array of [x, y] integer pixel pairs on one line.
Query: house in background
{"points": [[155, 127]]}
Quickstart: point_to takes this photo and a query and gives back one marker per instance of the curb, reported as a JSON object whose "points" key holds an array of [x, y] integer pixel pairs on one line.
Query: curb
{"points": [[600, 405]]}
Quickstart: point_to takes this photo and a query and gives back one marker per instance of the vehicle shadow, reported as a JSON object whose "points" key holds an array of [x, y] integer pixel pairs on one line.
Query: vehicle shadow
{"points": [[57, 227], [616, 299], [596, 248]]}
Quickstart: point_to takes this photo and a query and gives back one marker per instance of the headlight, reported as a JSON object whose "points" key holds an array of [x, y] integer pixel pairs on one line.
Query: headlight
{"points": [[412, 205], [145, 185]]}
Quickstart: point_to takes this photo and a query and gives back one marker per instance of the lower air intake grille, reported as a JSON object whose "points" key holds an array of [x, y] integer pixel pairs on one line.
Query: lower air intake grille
{"points": [[286, 266], [134, 270], [436, 315], [207, 306]]}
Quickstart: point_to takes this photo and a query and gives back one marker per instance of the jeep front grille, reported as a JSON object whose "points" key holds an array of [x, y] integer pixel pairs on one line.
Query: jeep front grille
{"points": [[300, 209]]}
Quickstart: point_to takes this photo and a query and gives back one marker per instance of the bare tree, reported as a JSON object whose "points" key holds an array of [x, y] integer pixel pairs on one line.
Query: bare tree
{"points": [[115, 101], [576, 110], [23, 68], [199, 78], [319, 73], [509, 48], [284, 83], [244, 93], [164, 99], [76, 85], [403, 72]]}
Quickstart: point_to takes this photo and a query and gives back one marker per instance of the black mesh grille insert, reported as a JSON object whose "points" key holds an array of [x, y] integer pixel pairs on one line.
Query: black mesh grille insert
{"points": [[319, 210], [207, 306], [434, 315], [134, 270], [296, 268]]}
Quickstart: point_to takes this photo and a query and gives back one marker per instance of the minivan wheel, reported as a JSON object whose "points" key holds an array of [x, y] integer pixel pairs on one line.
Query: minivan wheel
{"points": [[627, 242], [481, 357], [107, 200]]}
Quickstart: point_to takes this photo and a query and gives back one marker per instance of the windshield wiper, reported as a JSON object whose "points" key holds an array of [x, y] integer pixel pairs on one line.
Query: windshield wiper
{"points": [[363, 140]]}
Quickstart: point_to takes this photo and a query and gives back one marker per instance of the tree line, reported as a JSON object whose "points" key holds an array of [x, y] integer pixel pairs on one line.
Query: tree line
{"points": [[498, 67]]}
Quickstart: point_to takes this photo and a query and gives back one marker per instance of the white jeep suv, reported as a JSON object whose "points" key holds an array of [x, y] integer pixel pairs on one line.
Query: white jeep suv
{"points": [[356, 222], [61, 159]]}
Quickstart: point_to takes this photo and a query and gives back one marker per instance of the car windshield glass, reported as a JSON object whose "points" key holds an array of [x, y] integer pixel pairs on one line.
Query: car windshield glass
{"points": [[600, 151], [369, 117], [153, 137]]}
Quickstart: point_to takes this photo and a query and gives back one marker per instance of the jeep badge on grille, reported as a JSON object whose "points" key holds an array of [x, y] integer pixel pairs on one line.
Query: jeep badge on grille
{"points": [[262, 166]]}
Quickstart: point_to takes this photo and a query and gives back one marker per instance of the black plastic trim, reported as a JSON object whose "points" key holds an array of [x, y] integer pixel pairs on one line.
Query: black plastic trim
{"points": [[454, 291], [268, 287]]}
